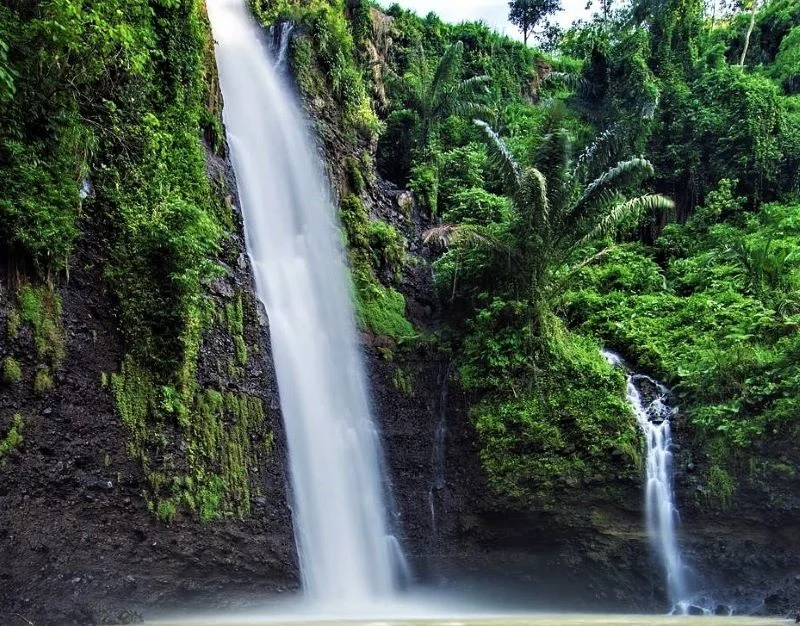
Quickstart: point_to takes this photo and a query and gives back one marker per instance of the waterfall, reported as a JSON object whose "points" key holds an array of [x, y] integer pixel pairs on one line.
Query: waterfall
{"points": [[650, 402], [438, 484], [347, 556], [281, 38]]}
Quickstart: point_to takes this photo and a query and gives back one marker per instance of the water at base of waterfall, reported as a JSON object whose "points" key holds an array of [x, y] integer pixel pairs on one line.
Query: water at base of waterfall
{"points": [[460, 619]]}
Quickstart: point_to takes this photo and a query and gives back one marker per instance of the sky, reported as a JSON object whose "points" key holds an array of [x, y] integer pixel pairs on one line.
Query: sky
{"points": [[493, 12]]}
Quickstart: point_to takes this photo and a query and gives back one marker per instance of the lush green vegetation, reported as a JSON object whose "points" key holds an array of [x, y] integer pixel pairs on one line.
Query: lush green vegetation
{"points": [[636, 186], [558, 238], [105, 107], [13, 438]]}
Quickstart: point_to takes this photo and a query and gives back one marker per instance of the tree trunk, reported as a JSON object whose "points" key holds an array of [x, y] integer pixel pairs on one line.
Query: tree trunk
{"points": [[749, 32]]}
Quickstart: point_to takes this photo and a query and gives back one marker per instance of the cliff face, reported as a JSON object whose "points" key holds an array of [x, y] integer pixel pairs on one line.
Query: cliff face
{"points": [[80, 538], [79, 545], [589, 549]]}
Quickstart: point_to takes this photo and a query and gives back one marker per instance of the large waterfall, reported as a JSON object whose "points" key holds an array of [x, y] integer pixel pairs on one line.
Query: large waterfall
{"points": [[649, 400], [347, 555]]}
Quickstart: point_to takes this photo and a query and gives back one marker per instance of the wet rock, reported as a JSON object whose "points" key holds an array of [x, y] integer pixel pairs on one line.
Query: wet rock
{"points": [[222, 287]]}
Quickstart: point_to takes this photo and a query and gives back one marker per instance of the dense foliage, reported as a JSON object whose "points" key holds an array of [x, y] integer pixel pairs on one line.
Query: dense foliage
{"points": [[105, 107], [534, 278], [636, 187]]}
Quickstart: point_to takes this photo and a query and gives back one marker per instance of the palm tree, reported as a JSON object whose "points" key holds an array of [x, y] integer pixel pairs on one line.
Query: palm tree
{"points": [[560, 204], [437, 93]]}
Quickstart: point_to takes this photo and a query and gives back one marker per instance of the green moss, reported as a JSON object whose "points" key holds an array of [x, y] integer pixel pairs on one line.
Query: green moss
{"points": [[382, 309], [241, 350], [40, 308], [166, 511], [43, 381], [12, 371], [355, 221], [13, 324], [13, 438], [372, 246], [219, 431], [354, 177], [720, 488], [403, 382], [234, 315], [133, 391], [537, 437]]}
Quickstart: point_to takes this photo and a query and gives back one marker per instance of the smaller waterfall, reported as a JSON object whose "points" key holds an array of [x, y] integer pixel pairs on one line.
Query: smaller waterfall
{"points": [[650, 402], [281, 38], [436, 491]]}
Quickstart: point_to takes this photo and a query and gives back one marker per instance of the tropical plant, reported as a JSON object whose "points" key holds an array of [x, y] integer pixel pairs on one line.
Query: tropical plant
{"points": [[436, 93], [559, 205]]}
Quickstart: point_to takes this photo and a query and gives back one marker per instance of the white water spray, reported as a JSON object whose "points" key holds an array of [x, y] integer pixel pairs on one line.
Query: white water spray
{"points": [[654, 417], [347, 556]]}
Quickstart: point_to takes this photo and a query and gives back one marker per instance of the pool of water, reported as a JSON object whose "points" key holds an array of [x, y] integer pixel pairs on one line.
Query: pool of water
{"points": [[529, 620]]}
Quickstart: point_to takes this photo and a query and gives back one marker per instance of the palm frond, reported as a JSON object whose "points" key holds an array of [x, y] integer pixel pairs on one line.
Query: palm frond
{"points": [[447, 235], [609, 181], [448, 69], [573, 81], [600, 152], [532, 197], [502, 158], [471, 83], [630, 210], [552, 159], [462, 99], [417, 77]]}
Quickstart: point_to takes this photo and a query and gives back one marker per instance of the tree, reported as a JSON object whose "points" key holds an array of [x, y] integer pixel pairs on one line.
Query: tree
{"points": [[753, 11], [559, 206], [437, 93], [526, 14]]}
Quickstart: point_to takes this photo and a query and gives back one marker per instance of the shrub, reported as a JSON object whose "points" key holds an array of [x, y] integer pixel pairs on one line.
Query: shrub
{"points": [[425, 185]]}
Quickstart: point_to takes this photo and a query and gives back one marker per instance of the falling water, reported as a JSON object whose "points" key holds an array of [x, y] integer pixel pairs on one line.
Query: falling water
{"points": [[654, 415], [438, 484], [347, 556], [282, 36]]}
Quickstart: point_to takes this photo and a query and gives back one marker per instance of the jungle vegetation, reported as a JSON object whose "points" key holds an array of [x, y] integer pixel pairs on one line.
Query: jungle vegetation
{"points": [[632, 182]]}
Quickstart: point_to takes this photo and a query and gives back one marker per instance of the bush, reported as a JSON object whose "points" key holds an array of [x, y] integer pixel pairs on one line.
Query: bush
{"points": [[537, 438], [425, 185], [477, 206]]}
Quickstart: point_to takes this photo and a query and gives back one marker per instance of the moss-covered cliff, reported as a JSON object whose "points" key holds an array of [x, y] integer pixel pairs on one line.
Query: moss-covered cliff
{"points": [[142, 458], [141, 455]]}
